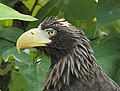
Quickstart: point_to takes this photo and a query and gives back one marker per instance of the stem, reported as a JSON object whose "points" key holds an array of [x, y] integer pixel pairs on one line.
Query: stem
{"points": [[36, 2], [92, 39]]}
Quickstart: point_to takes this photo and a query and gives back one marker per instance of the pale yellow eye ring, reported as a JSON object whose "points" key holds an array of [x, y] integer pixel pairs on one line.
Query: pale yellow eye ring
{"points": [[51, 32]]}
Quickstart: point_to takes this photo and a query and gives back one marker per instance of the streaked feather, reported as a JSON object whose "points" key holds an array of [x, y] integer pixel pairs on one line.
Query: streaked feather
{"points": [[72, 59]]}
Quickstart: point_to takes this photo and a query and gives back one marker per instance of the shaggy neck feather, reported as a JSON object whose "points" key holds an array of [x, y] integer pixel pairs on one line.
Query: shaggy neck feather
{"points": [[79, 63]]}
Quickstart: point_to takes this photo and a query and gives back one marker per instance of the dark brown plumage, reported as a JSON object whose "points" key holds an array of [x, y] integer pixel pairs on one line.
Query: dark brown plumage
{"points": [[74, 67]]}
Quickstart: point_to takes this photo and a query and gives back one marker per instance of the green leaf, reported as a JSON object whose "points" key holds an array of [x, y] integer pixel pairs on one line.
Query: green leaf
{"points": [[79, 9], [9, 13], [117, 77], [19, 57], [11, 33], [32, 72], [80, 13], [42, 13], [17, 82], [41, 70], [29, 3], [8, 2], [108, 55], [108, 11], [8, 37], [8, 68], [5, 45]]}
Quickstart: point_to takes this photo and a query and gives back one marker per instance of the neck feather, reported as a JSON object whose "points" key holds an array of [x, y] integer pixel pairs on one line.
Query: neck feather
{"points": [[79, 63]]}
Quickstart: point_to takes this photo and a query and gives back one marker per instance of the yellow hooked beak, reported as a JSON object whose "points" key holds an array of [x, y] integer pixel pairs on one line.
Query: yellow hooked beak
{"points": [[32, 38]]}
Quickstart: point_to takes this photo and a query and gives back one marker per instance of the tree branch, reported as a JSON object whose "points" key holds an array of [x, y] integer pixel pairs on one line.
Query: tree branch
{"points": [[36, 2]]}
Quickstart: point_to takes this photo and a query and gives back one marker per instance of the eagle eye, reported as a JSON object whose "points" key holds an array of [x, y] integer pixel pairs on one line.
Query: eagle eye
{"points": [[50, 31]]}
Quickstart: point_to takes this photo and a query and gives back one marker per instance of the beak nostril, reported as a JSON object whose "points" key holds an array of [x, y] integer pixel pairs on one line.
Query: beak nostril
{"points": [[32, 33], [32, 38]]}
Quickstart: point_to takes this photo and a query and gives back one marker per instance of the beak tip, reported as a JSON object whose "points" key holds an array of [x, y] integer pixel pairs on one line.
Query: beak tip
{"points": [[18, 49]]}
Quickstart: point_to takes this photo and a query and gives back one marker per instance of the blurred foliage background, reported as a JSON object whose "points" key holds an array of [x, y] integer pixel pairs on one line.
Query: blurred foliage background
{"points": [[100, 20]]}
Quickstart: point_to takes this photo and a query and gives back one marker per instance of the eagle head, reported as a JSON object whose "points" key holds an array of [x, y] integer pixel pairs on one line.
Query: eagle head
{"points": [[53, 37]]}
